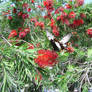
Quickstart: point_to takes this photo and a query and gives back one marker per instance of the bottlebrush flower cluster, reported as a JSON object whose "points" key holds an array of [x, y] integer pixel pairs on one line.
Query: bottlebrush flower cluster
{"points": [[30, 46], [37, 24], [21, 32], [46, 58], [70, 49], [69, 18], [12, 34], [63, 17], [40, 24], [20, 12], [89, 32], [79, 2], [17, 18], [54, 28], [76, 23], [49, 5]]}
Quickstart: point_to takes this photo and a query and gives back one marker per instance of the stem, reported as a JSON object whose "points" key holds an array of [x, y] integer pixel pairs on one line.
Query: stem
{"points": [[5, 40], [4, 81]]}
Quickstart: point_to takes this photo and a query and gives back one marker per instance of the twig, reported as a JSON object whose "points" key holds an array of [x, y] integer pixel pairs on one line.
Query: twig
{"points": [[84, 76], [5, 40], [88, 80]]}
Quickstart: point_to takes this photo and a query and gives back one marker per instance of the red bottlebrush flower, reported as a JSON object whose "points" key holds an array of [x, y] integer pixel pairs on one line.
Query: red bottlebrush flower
{"points": [[12, 34], [48, 16], [46, 58], [58, 18], [14, 10], [89, 32], [70, 49], [79, 2], [20, 14], [41, 24], [29, 9], [42, 51], [61, 9], [68, 6], [36, 24], [25, 5], [9, 11], [56, 11], [38, 76], [49, 5], [38, 45], [72, 25], [72, 14], [27, 30], [55, 31], [64, 14], [42, 60], [39, 6], [62, 17], [78, 22], [45, 3], [81, 21], [82, 15], [51, 54], [32, 1], [33, 20], [30, 46], [25, 16], [20, 29], [66, 21], [22, 34], [52, 22], [45, 17], [10, 17]]}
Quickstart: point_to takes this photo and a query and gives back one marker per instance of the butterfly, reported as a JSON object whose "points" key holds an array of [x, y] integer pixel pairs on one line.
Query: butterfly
{"points": [[58, 45]]}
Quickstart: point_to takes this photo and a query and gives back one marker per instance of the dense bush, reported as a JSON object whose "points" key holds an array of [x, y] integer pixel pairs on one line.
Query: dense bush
{"points": [[27, 58]]}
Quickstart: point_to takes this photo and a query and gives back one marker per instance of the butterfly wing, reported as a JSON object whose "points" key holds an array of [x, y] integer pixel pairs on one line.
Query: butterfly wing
{"points": [[55, 44], [58, 45], [49, 35], [66, 39]]}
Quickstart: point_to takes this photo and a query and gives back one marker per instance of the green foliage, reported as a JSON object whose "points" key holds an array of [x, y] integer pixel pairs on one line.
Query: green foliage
{"points": [[17, 66]]}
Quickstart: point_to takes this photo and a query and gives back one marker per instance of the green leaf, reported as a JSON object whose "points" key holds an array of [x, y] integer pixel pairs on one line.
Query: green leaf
{"points": [[89, 52], [64, 56], [85, 89], [31, 50]]}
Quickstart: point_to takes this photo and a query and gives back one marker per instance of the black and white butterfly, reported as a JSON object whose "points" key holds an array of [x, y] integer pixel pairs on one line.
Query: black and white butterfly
{"points": [[58, 45]]}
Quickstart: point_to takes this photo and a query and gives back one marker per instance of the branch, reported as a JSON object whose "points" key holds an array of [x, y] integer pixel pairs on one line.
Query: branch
{"points": [[5, 40], [83, 78]]}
